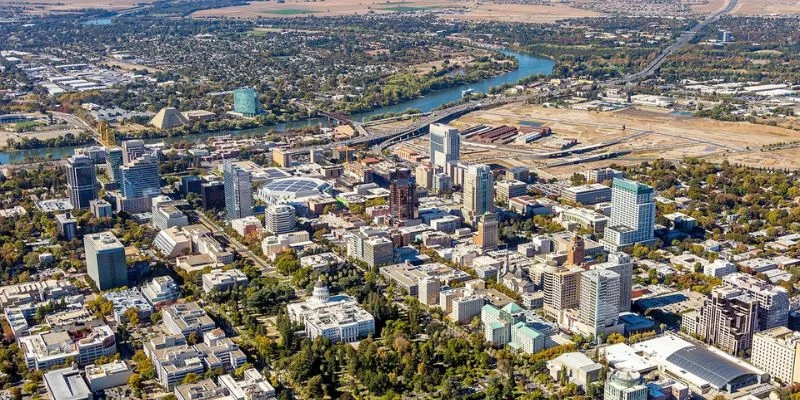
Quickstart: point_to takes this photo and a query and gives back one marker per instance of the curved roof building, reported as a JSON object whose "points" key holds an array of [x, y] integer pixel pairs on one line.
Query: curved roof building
{"points": [[287, 190], [699, 367]]}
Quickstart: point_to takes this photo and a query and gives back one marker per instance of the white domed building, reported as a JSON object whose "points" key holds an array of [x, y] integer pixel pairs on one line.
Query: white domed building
{"points": [[338, 318]]}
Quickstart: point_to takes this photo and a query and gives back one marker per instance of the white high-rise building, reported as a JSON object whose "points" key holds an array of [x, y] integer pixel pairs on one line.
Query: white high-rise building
{"points": [[633, 215], [599, 294], [280, 219], [445, 144], [777, 352], [478, 198], [621, 264], [625, 384], [238, 191]]}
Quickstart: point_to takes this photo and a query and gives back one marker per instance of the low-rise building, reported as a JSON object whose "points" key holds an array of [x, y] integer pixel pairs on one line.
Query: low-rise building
{"points": [[578, 368], [247, 226], [66, 384], [82, 342], [166, 215], [587, 194], [105, 376], [220, 280], [186, 318], [126, 299], [160, 291], [252, 386]]}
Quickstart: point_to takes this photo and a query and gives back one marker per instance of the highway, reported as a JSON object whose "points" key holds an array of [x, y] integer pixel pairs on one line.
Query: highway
{"points": [[685, 38], [78, 122]]}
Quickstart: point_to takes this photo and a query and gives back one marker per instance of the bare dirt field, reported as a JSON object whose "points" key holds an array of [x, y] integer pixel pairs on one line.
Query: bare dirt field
{"points": [[450, 9], [129, 66], [660, 135], [709, 7], [50, 6], [767, 7]]}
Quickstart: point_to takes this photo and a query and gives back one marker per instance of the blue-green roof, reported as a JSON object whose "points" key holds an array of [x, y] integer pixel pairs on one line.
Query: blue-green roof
{"points": [[490, 309], [632, 186], [526, 330], [512, 308], [496, 325]]}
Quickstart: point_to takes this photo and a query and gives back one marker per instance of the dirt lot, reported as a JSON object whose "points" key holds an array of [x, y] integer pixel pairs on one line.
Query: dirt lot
{"points": [[48, 6], [662, 135], [709, 7], [449, 9], [767, 7]]}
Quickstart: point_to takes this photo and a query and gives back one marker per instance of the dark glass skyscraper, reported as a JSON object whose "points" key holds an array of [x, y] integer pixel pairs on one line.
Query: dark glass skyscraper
{"points": [[81, 181]]}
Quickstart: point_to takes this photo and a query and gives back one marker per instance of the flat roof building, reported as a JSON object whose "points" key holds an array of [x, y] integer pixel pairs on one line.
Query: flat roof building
{"points": [[66, 384], [105, 260], [220, 280], [186, 318]]}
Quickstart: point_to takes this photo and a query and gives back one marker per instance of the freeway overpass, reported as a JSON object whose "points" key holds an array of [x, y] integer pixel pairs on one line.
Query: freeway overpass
{"points": [[385, 139]]}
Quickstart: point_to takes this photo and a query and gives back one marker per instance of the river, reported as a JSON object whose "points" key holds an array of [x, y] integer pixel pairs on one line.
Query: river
{"points": [[528, 65]]}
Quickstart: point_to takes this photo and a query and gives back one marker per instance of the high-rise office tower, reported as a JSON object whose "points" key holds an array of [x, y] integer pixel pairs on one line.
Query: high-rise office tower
{"points": [[625, 384], [445, 144], [245, 101], [105, 260], [280, 219], [577, 250], [478, 198], [81, 181], [132, 149], [728, 319], [487, 235], [114, 160], [403, 202], [633, 215], [561, 289], [621, 264], [238, 191], [140, 178], [599, 304]]}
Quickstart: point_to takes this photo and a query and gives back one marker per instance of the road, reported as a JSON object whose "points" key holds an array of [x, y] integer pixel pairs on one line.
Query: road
{"points": [[78, 122], [240, 248], [685, 38]]}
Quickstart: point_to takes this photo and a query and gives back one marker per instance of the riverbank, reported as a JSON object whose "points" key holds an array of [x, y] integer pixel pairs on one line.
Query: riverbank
{"points": [[527, 65]]}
